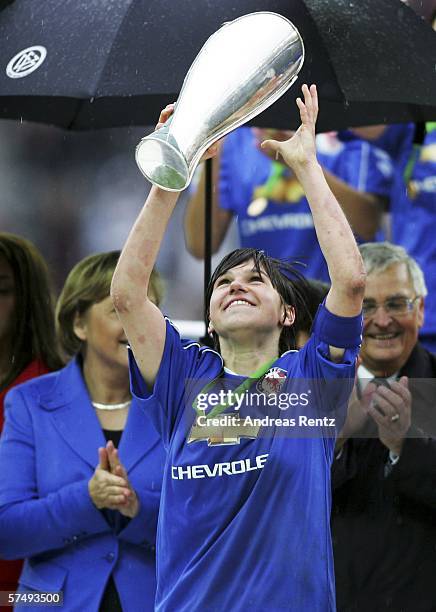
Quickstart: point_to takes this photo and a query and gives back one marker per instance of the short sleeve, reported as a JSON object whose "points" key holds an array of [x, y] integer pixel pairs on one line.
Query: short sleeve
{"points": [[182, 362], [227, 171], [343, 332], [333, 382], [366, 167]]}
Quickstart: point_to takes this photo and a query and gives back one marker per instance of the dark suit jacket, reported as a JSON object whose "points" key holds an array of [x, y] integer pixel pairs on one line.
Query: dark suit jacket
{"points": [[384, 524], [48, 453]]}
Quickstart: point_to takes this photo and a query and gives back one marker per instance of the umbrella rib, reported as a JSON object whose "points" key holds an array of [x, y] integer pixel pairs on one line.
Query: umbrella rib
{"points": [[103, 72]]}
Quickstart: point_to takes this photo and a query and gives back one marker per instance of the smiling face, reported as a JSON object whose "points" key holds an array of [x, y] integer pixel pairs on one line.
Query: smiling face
{"points": [[388, 340], [104, 339], [244, 305]]}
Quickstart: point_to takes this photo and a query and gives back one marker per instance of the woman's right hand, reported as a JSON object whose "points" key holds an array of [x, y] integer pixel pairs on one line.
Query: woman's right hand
{"points": [[105, 489], [166, 113]]}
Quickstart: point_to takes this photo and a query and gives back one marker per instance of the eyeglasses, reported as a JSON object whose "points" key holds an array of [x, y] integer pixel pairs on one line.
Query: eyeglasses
{"points": [[395, 306]]}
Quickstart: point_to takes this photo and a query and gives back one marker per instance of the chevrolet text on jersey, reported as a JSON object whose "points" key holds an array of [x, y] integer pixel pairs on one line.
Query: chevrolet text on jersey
{"points": [[219, 469]]}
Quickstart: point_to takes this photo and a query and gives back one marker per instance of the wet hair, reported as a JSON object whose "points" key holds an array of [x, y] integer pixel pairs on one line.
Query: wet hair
{"points": [[378, 256], [282, 275], [314, 292], [33, 321], [89, 283]]}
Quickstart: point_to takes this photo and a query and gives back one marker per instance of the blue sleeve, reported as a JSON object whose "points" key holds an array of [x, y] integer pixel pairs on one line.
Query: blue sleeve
{"points": [[30, 525], [142, 529], [182, 361], [227, 173], [422, 183], [366, 168], [395, 139], [335, 379]]}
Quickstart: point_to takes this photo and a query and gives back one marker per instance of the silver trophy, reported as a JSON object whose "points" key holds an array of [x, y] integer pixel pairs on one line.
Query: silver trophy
{"points": [[241, 70]]}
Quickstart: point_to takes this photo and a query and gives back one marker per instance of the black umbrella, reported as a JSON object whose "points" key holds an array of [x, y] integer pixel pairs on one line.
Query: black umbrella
{"points": [[89, 64], [105, 64]]}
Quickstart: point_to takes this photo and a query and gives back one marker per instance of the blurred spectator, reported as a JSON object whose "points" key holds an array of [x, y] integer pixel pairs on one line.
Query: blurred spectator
{"points": [[413, 215], [87, 531], [272, 211], [27, 333], [59, 197], [412, 202], [384, 474]]}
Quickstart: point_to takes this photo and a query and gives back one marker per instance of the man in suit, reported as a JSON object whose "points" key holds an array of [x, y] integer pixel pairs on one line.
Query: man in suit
{"points": [[384, 472]]}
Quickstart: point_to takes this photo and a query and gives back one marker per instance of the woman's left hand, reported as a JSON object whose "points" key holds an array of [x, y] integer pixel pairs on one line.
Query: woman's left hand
{"points": [[166, 113], [130, 506], [391, 409], [299, 150]]}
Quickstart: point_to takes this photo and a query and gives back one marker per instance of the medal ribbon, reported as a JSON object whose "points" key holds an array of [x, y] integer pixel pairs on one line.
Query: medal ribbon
{"points": [[276, 173], [240, 390]]}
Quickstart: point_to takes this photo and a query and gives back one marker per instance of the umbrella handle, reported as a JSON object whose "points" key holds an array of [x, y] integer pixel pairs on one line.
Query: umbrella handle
{"points": [[206, 339]]}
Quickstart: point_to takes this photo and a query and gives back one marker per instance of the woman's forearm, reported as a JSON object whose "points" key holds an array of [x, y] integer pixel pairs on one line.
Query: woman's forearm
{"points": [[61, 519]]}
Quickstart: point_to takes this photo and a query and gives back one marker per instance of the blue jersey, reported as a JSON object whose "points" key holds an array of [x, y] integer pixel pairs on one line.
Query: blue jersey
{"points": [[244, 522], [392, 140], [413, 210], [272, 211]]}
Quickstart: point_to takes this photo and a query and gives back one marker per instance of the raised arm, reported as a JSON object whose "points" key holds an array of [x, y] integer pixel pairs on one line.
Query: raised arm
{"points": [[142, 320], [334, 234]]}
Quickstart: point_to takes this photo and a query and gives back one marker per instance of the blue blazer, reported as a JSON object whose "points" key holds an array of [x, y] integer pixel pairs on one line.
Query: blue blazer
{"points": [[48, 453]]}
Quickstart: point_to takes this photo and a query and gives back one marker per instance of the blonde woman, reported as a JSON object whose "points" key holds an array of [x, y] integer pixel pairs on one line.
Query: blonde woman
{"points": [[81, 462]]}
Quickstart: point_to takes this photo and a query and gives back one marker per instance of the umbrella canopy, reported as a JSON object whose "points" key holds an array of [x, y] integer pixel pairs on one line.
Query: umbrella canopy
{"points": [[88, 64]]}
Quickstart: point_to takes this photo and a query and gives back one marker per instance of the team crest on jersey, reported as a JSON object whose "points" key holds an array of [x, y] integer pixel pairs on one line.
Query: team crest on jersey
{"points": [[272, 382]]}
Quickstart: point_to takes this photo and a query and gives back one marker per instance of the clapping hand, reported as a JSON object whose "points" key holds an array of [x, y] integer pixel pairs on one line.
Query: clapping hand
{"points": [[357, 416], [130, 505], [391, 409], [109, 487]]}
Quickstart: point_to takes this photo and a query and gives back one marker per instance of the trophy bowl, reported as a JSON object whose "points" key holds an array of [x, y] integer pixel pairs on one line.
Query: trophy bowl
{"points": [[243, 68]]}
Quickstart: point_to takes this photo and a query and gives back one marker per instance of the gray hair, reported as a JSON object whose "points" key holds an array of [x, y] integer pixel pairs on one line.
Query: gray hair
{"points": [[378, 256]]}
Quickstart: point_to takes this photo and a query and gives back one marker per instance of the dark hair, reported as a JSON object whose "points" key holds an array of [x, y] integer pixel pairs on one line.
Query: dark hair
{"points": [[314, 293], [88, 283], [281, 274], [33, 322]]}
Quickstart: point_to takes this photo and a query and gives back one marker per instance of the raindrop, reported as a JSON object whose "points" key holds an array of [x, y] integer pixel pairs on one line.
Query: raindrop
{"points": [[91, 100], [351, 4]]}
